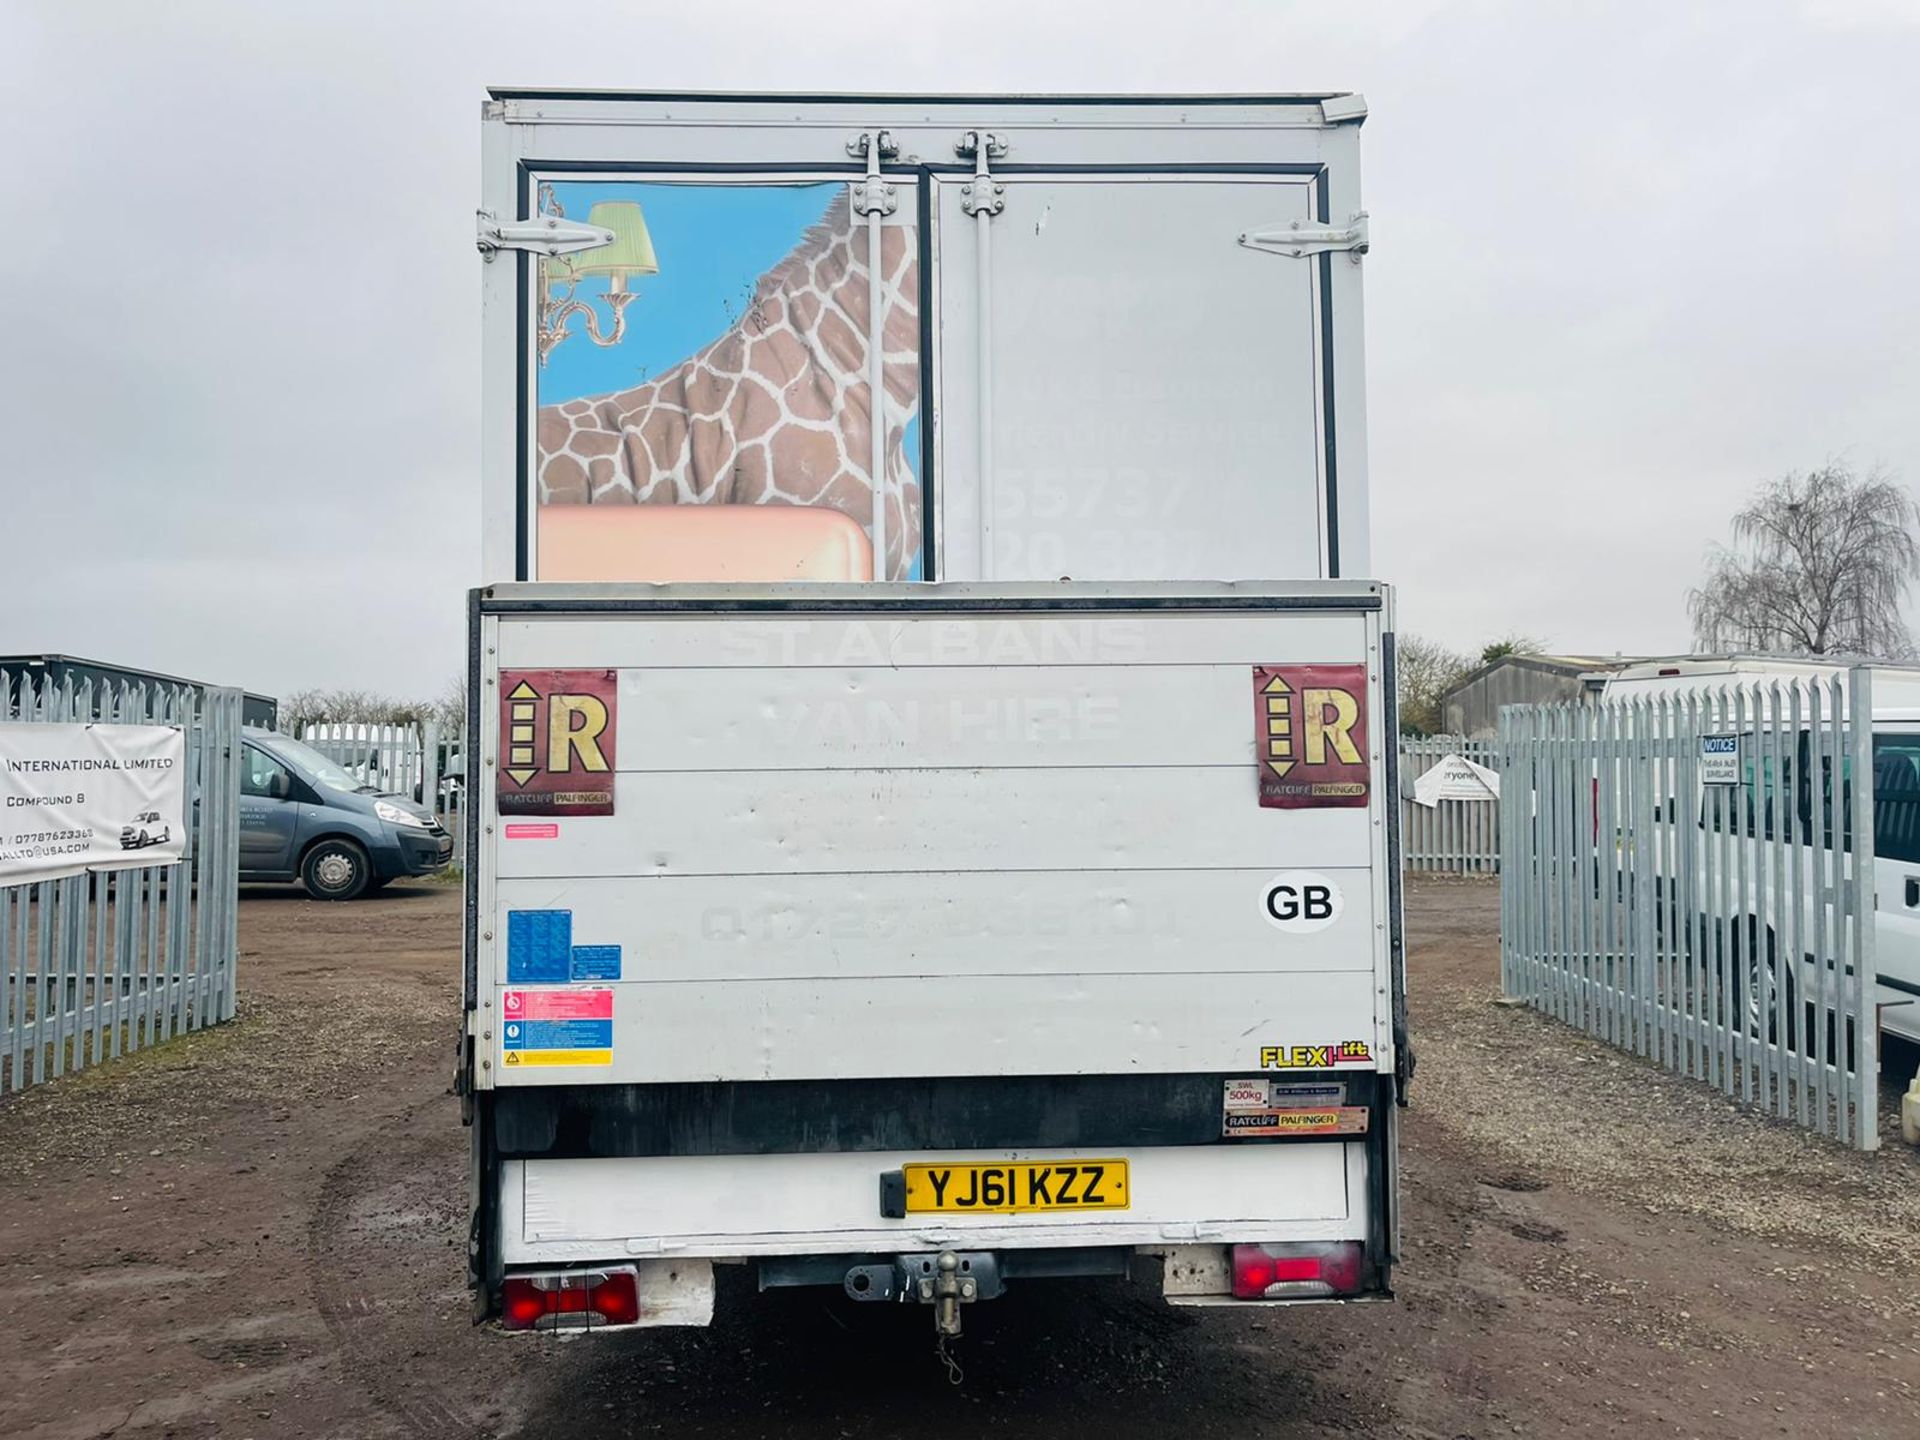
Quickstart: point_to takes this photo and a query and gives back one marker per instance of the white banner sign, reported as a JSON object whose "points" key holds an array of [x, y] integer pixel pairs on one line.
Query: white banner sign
{"points": [[90, 797], [1456, 778]]}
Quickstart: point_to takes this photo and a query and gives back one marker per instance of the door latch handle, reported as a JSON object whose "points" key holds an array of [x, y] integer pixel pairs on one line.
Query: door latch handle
{"points": [[1913, 892]]}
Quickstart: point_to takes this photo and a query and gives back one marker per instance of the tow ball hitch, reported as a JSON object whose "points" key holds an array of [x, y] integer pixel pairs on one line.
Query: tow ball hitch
{"points": [[948, 1289], [946, 1280]]}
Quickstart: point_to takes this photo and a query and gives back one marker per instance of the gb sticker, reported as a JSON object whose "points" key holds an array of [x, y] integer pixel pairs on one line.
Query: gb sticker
{"points": [[1301, 902]]}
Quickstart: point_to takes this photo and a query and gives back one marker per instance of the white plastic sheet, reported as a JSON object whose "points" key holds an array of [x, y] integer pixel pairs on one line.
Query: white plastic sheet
{"points": [[1456, 778]]}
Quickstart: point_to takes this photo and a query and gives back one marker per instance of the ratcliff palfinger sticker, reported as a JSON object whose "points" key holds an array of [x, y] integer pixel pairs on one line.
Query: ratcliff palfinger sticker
{"points": [[1310, 736], [556, 742]]}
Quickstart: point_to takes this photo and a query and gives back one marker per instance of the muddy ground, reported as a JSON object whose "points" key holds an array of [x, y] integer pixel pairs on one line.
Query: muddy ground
{"points": [[258, 1232]]}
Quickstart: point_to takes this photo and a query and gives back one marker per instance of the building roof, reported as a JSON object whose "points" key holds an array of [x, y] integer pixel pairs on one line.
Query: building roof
{"points": [[131, 672], [1731, 660], [1571, 666]]}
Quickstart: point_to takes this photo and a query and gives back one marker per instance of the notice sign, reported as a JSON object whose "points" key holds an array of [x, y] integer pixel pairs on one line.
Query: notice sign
{"points": [[1720, 759], [90, 797], [556, 742], [1310, 734]]}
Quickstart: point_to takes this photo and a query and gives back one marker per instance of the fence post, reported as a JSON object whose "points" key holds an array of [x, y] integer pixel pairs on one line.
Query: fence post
{"points": [[1863, 903], [1820, 764], [1507, 892], [430, 766]]}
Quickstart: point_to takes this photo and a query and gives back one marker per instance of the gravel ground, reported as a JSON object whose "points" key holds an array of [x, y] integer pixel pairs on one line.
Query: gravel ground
{"points": [[257, 1232]]}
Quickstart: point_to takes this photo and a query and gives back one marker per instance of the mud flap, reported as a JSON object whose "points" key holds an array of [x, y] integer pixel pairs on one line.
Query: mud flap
{"points": [[485, 1268]]}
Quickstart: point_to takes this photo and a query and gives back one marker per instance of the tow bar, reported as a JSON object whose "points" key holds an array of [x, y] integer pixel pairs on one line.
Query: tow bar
{"points": [[947, 1290], [946, 1280]]}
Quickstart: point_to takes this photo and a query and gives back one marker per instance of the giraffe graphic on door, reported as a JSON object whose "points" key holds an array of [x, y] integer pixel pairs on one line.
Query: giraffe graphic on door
{"points": [[774, 411]]}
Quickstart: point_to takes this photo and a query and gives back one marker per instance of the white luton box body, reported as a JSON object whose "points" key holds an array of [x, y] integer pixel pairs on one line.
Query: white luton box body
{"points": [[976, 862]]}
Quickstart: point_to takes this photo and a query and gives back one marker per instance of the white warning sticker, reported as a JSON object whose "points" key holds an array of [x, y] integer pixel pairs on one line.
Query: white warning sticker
{"points": [[1247, 1094]]}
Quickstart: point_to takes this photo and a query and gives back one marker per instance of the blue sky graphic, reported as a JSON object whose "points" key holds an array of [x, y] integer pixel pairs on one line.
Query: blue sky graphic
{"points": [[713, 243]]}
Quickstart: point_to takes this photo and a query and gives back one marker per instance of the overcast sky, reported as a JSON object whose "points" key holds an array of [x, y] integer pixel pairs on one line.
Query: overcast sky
{"points": [[1628, 260]]}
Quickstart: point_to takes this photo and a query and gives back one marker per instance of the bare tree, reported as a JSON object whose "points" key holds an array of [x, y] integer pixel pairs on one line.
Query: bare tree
{"points": [[325, 707], [451, 708], [1820, 565], [350, 707], [1425, 669], [1514, 642]]}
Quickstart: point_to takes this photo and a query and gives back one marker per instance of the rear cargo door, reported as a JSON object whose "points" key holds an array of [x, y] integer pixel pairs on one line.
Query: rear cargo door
{"points": [[1140, 391]]}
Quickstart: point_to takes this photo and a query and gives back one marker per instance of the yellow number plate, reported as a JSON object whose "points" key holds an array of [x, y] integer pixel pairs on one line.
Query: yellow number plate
{"points": [[1018, 1188]]}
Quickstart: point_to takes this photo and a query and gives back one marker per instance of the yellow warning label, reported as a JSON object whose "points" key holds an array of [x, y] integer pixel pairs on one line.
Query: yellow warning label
{"points": [[516, 1058]]}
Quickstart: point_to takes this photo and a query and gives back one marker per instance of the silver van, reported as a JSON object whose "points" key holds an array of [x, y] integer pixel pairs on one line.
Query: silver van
{"points": [[304, 818]]}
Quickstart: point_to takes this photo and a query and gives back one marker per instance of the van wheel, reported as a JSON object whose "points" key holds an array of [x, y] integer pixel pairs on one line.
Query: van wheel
{"points": [[335, 870], [1760, 990]]}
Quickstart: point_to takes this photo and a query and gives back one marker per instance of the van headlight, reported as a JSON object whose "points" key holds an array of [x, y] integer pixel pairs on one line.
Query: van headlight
{"points": [[395, 815]]}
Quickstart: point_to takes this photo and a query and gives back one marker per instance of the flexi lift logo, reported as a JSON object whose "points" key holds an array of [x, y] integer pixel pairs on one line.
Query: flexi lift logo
{"points": [[556, 742], [1310, 734], [1315, 1057]]}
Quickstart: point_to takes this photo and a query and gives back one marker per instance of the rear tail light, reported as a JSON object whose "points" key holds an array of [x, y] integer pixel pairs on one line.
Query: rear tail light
{"points": [[570, 1299], [1314, 1270]]}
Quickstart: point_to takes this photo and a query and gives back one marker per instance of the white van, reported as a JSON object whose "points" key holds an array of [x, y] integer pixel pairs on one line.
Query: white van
{"points": [[917, 858], [1896, 810]]}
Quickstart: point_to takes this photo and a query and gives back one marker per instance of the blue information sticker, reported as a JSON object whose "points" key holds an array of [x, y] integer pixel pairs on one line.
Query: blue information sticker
{"points": [[596, 962], [557, 1035], [539, 946]]}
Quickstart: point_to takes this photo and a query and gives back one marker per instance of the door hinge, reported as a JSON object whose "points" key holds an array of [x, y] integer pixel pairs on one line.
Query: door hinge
{"points": [[968, 145], [1298, 238], [860, 144], [870, 197], [873, 196], [543, 235], [983, 195]]}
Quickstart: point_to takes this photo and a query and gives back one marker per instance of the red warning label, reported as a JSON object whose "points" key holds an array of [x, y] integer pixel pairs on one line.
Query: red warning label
{"points": [[1310, 736], [557, 1004]]}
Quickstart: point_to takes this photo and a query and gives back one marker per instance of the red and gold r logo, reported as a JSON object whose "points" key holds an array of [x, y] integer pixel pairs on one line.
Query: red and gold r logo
{"points": [[1310, 736], [557, 730]]}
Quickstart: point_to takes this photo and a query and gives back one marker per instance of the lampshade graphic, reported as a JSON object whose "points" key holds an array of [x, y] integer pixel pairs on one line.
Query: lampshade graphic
{"points": [[630, 253]]}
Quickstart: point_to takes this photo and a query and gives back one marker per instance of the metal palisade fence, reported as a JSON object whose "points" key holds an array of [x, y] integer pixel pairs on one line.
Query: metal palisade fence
{"points": [[1458, 837], [1690, 877], [390, 757], [95, 965], [421, 761]]}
